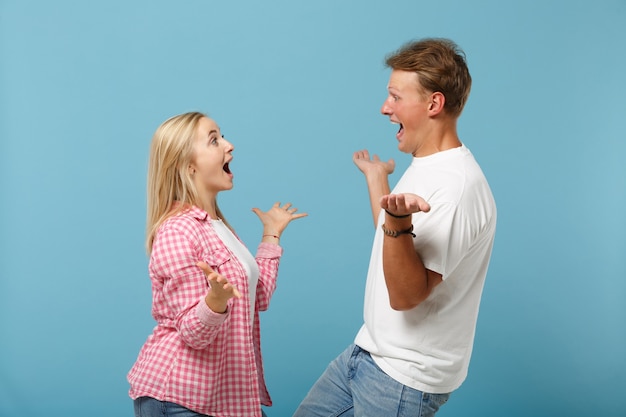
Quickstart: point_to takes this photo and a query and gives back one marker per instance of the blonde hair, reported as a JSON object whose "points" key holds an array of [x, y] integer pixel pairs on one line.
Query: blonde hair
{"points": [[170, 188]]}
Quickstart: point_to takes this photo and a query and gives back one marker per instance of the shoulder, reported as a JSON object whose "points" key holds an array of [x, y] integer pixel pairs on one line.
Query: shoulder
{"points": [[188, 224]]}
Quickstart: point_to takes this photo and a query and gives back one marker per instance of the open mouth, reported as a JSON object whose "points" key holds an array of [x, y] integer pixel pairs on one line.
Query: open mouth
{"points": [[226, 168], [400, 130]]}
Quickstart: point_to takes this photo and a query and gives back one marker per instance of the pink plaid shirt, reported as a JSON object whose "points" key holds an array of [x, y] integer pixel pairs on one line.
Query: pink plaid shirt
{"points": [[208, 362]]}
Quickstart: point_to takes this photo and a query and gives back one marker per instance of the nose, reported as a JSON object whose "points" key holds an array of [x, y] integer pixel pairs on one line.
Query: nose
{"points": [[229, 147], [386, 108]]}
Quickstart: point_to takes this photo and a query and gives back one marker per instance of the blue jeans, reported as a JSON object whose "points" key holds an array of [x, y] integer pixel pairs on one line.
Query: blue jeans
{"points": [[149, 407], [353, 385]]}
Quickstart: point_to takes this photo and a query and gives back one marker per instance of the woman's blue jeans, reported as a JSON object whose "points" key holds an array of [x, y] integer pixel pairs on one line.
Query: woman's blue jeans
{"points": [[353, 385], [149, 407]]}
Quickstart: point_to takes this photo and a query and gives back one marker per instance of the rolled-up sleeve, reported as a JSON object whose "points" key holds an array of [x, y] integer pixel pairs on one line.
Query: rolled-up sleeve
{"points": [[267, 258]]}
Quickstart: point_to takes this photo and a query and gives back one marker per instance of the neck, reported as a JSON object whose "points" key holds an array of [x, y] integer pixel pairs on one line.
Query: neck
{"points": [[441, 137], [209, 204]]}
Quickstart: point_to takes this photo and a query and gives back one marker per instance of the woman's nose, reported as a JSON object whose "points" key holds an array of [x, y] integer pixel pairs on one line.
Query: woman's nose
{"points": [[229, 146]]}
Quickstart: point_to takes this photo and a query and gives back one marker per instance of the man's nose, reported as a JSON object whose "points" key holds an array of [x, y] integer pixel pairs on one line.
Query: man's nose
{"points": [[385, 109]]}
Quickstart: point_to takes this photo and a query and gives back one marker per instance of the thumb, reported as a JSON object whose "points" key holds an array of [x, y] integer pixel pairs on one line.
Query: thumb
{"points": [[424, 206]]}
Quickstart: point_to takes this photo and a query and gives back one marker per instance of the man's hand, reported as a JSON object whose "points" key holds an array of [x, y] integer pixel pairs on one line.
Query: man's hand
{"points": [[374, 165], [403, 204]]}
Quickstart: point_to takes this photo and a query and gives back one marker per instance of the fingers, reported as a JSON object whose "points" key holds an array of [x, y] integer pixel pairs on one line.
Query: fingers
{"points": [[287, 208], [223, 283], [424, 206], [219, 284], [393, 203], [362, 154], [214, 279], [205, 268], [401, 204], [292, 211], [236, 292]]}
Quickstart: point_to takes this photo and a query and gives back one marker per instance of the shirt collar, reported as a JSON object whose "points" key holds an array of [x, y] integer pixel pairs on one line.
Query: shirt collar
{"points": [[198, 213]]}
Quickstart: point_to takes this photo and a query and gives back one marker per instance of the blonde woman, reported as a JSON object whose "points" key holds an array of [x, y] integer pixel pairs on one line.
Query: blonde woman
{"points": [[203, 357]]}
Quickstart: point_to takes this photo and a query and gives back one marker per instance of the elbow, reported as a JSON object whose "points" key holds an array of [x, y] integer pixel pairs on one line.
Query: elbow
{"points": [[194, 343], [403, 304], [197, 338]]}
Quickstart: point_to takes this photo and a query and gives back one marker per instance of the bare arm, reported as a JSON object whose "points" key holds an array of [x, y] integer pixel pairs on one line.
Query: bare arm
{"points": [[376, 174], [407, 279]]}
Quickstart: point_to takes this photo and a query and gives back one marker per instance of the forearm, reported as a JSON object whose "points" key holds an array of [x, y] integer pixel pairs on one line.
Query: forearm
{"points": [[268, 260], [377, 186], [406, 277]]}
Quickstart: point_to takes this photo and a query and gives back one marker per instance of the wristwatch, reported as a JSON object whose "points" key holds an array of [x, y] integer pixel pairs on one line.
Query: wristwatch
{"points": [[396, 233]]}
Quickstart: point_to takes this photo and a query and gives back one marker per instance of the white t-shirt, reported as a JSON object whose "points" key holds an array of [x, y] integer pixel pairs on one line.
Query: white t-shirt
{"points": [[429, 347], [245, 257]]}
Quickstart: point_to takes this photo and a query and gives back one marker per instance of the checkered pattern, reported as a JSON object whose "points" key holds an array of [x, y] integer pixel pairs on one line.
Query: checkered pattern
{"points": [[208, 362]]}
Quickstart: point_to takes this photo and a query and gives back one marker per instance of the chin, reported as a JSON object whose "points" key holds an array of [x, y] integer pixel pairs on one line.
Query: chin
{"points": [[403, 148]]}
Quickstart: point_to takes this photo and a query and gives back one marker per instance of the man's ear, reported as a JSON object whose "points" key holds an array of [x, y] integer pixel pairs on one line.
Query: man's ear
{"points": [[437, 103]]}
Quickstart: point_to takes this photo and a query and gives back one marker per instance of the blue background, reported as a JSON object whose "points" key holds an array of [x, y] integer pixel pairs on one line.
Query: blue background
{"points": [[297, 87]]}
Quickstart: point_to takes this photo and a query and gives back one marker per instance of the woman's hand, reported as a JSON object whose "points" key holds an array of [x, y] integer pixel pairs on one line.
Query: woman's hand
{"points": [[220, 289], [276, 219]]}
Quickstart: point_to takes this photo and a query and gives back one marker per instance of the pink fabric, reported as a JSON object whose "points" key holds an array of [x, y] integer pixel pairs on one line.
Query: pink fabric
{"points": [[210, 363]]}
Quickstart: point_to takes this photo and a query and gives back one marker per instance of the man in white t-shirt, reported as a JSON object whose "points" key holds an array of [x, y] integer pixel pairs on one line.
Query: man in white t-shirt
{"points": [[433, 241]]}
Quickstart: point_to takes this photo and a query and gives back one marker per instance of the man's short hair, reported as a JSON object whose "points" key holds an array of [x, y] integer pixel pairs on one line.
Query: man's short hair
{"points": [[440, 66]]}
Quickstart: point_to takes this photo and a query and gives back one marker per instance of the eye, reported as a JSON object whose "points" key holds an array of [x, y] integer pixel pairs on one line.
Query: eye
{"points": [[214, 138]]}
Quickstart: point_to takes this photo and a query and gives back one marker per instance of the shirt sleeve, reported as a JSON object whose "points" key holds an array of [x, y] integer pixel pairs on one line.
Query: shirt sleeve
{"points": [[179, 287], [268, 258], [442, 237]]}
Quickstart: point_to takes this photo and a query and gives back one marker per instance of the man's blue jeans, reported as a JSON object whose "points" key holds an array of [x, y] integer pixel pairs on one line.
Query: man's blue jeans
{"points": [[353, 385]]}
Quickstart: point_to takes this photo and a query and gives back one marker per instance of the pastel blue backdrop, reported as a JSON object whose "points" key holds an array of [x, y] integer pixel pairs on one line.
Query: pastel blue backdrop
{"points": [[297, 87]]}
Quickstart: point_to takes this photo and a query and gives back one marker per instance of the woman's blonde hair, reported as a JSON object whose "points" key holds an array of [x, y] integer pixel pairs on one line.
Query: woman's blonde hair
{"points": [[170, 187]]}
